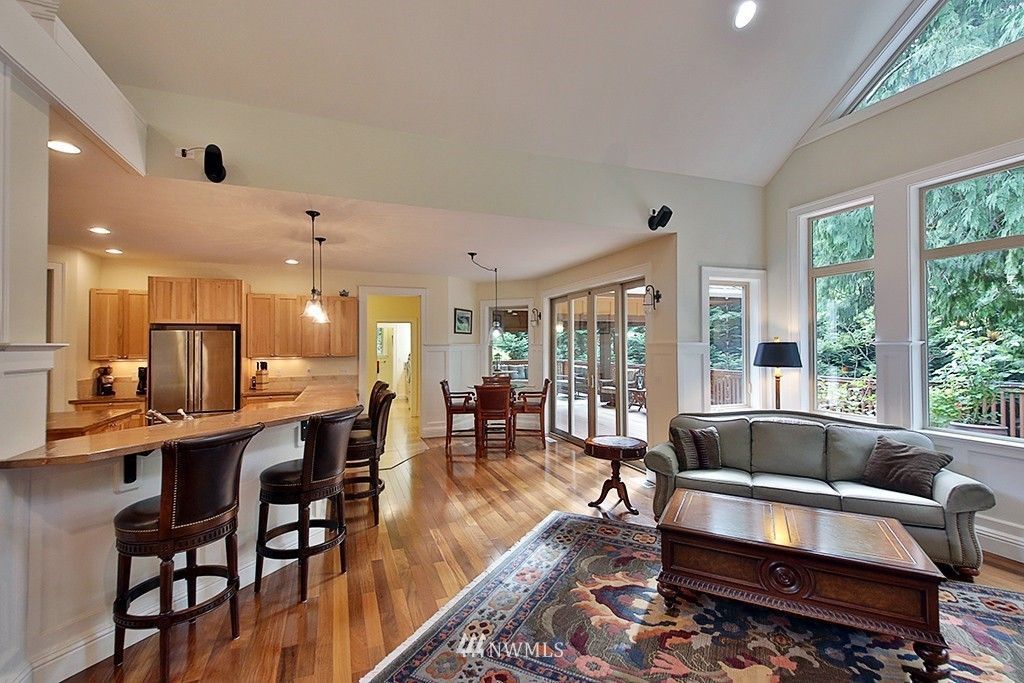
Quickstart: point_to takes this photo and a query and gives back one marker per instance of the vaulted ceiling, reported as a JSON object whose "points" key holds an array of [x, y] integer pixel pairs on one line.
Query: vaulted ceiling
{"points": [[665, 85]]}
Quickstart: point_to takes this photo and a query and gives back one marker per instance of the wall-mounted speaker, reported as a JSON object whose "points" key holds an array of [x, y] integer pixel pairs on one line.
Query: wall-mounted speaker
{"points": [[659, 218], [213, 164]]}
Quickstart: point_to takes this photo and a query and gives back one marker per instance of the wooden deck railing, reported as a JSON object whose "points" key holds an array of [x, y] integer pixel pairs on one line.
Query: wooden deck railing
{"points": [[727, 387]]}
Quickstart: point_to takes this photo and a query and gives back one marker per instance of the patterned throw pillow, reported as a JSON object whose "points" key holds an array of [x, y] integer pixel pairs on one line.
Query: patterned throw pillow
{"points": [[901, 467], [686, 449], [709, 449]]}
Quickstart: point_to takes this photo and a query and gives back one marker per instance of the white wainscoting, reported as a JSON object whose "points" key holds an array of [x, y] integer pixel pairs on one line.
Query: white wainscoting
{"points": [[460, 365]]}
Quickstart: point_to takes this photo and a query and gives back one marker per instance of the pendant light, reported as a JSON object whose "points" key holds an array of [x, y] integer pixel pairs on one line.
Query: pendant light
{"points": [[496, 329], [321, 317], [314, 307]]}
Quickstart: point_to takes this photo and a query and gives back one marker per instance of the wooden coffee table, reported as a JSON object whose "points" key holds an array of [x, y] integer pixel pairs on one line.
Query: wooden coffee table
{"points": [[855, 570]]}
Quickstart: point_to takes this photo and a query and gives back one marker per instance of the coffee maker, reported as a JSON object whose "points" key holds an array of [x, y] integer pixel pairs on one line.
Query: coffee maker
{"points": [[104, 380], [140, 390]]}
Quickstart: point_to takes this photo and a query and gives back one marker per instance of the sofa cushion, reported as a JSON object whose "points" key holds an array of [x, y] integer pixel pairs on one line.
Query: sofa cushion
{"points": [[869, 500], [733, 437], [783, 488], [907, 469], [793, 447], [686, 449], [848, 448], [726, 480]]}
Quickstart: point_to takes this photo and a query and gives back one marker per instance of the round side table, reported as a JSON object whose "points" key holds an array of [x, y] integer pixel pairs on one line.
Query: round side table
{"points": [[616, 449]]}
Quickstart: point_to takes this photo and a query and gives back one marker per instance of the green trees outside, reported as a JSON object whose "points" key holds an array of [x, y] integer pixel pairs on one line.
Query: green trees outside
{"points": [[960, 31], [725, 320], [974, 301]]}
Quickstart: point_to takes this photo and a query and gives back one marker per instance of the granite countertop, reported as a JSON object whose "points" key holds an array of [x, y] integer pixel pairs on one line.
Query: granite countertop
{"points": [[315, 398], [293, 386], [73, 422], [119, 398]]}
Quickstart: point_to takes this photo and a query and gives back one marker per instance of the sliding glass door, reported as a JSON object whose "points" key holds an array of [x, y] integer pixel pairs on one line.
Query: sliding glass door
{"points": [[595, 383]]}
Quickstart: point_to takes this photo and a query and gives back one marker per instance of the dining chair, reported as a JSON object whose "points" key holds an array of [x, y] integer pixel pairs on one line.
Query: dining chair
{"points": [[456, 403], [493, 405], [530, 403]]}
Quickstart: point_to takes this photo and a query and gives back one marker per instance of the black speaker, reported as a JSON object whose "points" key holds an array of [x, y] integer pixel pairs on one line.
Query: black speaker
{"points": [[659, 218], [213, 164]]}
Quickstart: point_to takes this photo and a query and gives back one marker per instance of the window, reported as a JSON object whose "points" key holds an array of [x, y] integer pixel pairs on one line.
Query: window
{"points": [[727, 336], [973, 237], [510, 353], [956, 33], [842, 296]]}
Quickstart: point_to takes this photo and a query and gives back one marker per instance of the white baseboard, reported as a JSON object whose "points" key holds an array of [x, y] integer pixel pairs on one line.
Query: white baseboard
{"points": [[432, 429], [1000, 537], [64, 661]]}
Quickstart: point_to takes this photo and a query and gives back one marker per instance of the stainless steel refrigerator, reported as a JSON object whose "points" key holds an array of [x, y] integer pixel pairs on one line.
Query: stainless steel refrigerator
{"points": [[194, 368]]}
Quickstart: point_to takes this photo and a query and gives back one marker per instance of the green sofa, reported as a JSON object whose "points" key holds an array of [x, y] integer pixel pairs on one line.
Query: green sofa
{"points": [[815, 460]]}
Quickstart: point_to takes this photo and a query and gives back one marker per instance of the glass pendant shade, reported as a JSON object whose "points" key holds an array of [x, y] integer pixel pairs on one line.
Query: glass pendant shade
{"points": [[496, 330]]}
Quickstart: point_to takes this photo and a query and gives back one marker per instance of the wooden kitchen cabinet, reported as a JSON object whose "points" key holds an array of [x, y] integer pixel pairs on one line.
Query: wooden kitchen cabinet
{"points": [[259, 328], [344, 326], [186, 300], [172, 300], [287, 327], [315, 338], [218, 301], [118, 325]]}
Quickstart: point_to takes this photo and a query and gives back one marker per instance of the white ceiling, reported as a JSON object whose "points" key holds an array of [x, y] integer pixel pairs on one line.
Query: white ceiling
{"points": [[159, 218], [663, 85]]}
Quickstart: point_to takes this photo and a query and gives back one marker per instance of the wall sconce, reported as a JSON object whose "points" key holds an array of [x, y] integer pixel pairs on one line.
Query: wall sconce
{"points": [[652, 297], [535, 317]]}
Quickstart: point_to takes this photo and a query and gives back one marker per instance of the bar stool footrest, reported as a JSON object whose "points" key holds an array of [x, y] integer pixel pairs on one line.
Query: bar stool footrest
{"points": [[358, 495], [293, 553], [141, 621]]}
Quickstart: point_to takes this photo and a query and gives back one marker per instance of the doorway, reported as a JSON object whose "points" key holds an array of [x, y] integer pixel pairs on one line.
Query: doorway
{"points": [[599, 362], [394, 357]]}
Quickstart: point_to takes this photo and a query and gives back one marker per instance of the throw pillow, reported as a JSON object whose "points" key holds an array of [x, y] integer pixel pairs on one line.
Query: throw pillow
{"points": [[709, 449], [686, 449], [901, 467]]}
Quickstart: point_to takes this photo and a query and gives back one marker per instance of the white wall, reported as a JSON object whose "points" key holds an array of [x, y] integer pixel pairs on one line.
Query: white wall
{"points": [[965, 124]]}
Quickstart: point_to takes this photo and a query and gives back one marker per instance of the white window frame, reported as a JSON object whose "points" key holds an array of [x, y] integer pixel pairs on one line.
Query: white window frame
{"points": [[756, 323], [837, 115], [485, 313], [802, 302], [951, 251]]}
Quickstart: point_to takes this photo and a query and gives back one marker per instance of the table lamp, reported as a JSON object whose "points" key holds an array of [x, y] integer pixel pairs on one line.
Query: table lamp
{"points": [[777, 354]]}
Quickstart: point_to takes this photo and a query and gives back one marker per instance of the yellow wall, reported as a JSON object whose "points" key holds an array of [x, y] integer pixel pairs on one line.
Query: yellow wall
{"points": [[393, 309]]}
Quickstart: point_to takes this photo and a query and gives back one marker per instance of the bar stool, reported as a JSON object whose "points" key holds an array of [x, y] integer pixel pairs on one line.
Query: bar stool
{"points": [[364, 450], [197, 505], [365, 421], [318, 475]]}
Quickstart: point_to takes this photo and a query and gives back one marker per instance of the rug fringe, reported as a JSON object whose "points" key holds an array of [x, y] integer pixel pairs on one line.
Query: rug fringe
{"points": [[536, 531]]}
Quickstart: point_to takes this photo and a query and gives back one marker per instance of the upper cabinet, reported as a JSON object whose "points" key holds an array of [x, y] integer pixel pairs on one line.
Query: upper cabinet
{"points": [[218, 301], [195, 300], [275, 329], [344, 326], [118, 325]]}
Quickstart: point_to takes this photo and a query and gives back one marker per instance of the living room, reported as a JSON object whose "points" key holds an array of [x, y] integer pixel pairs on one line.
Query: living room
{"points": [[766, 255]]}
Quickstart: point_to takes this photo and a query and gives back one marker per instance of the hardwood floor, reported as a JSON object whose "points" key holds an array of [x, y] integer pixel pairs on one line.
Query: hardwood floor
{"points": [[441, 526]]}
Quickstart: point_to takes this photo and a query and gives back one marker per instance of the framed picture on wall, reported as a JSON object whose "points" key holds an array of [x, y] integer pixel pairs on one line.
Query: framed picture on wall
{"points": [[463, 321]]}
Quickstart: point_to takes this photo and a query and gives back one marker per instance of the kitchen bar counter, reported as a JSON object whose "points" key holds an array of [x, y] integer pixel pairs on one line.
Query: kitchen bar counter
{"points": [[70, 424], [315, 398]]}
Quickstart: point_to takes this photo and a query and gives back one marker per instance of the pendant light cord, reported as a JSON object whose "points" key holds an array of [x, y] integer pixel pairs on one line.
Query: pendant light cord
{"points": [[312, 248], [472, 257]]}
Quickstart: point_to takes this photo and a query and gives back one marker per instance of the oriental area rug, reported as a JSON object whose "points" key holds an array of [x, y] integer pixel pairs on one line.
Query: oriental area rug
{"points": [[576, 600]]}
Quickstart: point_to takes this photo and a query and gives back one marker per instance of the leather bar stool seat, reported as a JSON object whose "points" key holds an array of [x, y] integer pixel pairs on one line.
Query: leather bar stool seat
{"points": [[285, 475], [319, 475], [362, 437], [197, 505], [142, 517]]}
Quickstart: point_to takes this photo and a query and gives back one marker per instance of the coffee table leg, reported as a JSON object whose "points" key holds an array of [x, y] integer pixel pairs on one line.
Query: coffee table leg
{"points": [[936, 664]]}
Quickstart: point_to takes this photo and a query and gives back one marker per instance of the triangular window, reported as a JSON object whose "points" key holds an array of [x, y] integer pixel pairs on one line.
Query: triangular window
{"points": [[957, 32]]}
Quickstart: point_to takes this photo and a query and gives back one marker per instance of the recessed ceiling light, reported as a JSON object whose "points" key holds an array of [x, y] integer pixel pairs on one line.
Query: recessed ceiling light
{"points": [[63, 147], [745, 13], [115, 252], [99, 230], [291, 262]]}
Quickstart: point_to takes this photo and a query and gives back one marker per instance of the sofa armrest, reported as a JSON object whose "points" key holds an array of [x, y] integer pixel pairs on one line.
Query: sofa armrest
{"points": [[662, 459], [957, 493]]}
